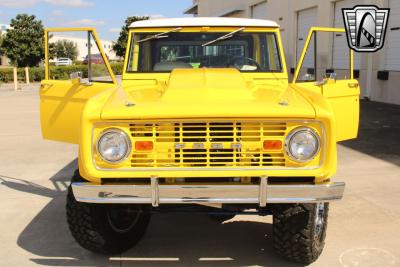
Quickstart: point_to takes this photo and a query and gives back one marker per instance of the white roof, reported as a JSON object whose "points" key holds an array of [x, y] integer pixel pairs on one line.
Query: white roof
{"points": [[203, 21]]}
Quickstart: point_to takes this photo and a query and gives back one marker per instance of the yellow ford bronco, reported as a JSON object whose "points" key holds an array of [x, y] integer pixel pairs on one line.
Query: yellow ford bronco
{"points": [[204, 120]]}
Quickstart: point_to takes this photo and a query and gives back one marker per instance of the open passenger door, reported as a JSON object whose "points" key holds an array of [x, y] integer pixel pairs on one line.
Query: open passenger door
{"points": [[338, 86], [66, 88]]}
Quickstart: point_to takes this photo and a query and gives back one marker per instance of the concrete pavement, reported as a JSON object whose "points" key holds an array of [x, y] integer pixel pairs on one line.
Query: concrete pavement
{"points": [[34, 174]]}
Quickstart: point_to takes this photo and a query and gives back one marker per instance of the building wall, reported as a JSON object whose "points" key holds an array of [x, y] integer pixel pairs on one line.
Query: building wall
{"points": [[285, 12], [216, 8], [81, 44]]}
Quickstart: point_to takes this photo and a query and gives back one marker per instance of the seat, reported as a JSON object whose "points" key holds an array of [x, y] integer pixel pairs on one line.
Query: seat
{"points": [[170, 65]]}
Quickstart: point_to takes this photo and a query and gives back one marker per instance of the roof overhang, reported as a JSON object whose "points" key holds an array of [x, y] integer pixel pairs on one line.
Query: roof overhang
{"points": [[229, 12], [192, 10]]}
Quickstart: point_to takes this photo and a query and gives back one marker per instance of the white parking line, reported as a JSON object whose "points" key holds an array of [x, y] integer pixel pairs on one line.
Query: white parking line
{"points": [[142, 259], [216, 259]]}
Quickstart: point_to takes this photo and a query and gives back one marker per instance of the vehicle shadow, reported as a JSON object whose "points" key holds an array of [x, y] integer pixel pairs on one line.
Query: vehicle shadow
{"points": [[171, 239], [379, 131], [196, 240]]}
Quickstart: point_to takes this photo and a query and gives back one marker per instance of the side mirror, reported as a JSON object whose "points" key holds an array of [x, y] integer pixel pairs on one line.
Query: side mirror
{"points": [[308, 77], [322, 82], [329, 78], [332, 76], [76, 77]]}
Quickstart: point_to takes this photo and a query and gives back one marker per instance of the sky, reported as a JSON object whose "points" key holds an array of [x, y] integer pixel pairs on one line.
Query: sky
{"points": [[106, 16]]}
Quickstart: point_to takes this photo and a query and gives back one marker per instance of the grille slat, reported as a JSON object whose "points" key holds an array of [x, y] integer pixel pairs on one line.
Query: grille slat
{"points": [[207, 144]]}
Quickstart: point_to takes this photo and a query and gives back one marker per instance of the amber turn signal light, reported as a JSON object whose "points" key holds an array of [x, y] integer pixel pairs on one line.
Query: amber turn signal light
{"points": [[272, 145], [144, 145]]}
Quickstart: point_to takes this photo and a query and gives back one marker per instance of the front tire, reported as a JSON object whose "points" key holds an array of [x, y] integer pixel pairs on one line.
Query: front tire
{"points": [[104, 228], [299, 231]]}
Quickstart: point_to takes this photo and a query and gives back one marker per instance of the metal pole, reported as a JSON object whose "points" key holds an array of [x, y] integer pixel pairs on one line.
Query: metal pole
{"points": [[27, 75], [315, 56], [369, 76], [15, 79], [46, 55], [89, 59]]}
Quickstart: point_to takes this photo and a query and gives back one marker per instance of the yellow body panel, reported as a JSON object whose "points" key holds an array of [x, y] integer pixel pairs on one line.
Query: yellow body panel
{"points": [[321, 167], [61, 106], [199, 93], [152, 106], [341, 95], [62, 101]]}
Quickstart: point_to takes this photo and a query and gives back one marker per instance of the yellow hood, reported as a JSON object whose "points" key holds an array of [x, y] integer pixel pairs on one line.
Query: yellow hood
{"points": [[206, 93]]}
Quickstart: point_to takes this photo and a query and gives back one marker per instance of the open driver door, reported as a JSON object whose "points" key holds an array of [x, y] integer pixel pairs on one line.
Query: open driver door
{"points": [[70, 82], [338, 85]]}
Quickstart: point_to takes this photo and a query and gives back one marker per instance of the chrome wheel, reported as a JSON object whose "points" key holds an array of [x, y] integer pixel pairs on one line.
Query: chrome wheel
{"points": [[319, 221]]}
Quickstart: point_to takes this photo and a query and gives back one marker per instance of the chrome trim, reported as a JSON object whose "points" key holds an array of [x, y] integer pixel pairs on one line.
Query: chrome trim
{"points": [[155, 198], [295, 131], [136, 169], [319, 220], [263, 191], [124, 135], [156, 194]]}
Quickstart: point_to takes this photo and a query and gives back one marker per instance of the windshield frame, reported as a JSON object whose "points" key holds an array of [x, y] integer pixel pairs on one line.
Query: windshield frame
{"points": [[282, 73]]}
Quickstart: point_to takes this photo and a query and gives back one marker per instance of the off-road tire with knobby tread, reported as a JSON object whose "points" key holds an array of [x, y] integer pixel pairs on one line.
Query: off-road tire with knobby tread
{"points": [[294, 232], [90, 227]]}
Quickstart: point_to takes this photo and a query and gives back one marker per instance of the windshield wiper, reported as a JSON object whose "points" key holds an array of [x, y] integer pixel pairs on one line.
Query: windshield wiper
{"points": [[224, 37], [159, 35]]}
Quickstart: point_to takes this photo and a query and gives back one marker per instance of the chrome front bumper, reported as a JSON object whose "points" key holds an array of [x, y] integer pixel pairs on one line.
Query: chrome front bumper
{"points": [[156, 193]]}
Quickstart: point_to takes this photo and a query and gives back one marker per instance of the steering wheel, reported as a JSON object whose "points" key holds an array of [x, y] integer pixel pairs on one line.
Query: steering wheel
{"points": [[240, 61]]}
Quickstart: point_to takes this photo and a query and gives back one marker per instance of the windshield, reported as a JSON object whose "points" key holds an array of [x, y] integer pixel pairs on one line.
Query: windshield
{"points": [[245, 51]]}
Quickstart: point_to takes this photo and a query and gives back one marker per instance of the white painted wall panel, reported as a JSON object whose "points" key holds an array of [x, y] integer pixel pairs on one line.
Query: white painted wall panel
{"points": [[340, 54], [305, 20], [259, 11], [392, 42]]}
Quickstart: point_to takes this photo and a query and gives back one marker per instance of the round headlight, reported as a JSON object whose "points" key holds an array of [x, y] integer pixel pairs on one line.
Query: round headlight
{"points": [[113, 146], [302, 144]]}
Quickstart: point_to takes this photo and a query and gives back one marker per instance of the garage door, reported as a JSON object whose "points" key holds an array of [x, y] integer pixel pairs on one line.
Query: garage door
{"points": [[340, 54], [305, 20], [392, 42], [259, 11]]}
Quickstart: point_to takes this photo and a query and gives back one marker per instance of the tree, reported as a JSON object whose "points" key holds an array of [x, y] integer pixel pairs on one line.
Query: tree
{"points": [[23, 42], [120, 46], [63, 48]]}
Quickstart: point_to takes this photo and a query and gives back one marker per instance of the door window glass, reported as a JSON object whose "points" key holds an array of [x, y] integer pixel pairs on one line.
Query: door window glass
{"points": [[308, 67], [320, 60], [76, 52]]}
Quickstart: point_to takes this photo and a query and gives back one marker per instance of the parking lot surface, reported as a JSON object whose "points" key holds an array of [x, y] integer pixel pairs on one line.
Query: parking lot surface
{"points": [[363, 228]]}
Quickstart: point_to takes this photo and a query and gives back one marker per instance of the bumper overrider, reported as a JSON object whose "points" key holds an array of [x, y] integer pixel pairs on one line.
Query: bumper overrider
{"points": [[156, 194]]}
